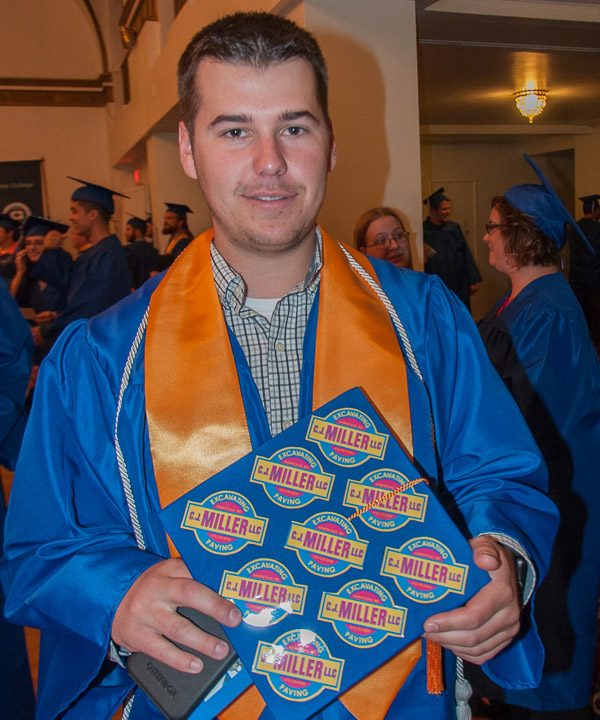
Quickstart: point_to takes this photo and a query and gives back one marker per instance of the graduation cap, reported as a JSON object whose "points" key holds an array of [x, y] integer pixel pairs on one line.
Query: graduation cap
{"points": [[42, 226], [179, 210], [148, 217], [589, 202], [137, 222], [544, 207], [9, 223], [435, 198], [96, 193]]}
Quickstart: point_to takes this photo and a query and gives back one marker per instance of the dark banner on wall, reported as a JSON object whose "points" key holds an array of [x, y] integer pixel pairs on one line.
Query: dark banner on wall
{"points": [[21, 189]]}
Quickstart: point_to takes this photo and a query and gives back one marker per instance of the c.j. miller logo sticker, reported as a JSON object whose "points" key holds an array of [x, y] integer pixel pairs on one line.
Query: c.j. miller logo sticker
{"points": [[425, 570], [264, 591], [292, 477], [327, 544], [363, 613], [387, 506], [224, 523], [298, 665], [347, 437]]}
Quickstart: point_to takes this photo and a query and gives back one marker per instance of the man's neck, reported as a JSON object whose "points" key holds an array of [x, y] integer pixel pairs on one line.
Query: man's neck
{"points": [[269, 275], [97, 233]]}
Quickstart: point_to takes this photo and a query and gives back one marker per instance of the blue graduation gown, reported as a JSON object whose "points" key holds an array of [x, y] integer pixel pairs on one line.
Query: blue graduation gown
{"points": [[452, 261], [70, 550], [45, 284], [16, 349], [16, 354], [141, 260], [99, 278], [540, 346], [54, 268]]}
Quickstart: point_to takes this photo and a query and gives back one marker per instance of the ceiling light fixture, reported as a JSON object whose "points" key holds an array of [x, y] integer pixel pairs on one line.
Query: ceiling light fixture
{"points": [[531, 103]]}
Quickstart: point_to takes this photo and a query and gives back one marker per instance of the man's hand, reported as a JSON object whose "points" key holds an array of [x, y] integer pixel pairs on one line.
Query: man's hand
{"points": [[489, 621], [47, 316], [38, 338], [147, 616], [20, 265]]}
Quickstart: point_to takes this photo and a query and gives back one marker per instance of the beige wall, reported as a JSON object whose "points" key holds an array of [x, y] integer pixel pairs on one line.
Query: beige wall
{"points": [[587, 165], [59, 32], [72, 141], [374, 108], [170, 184]]}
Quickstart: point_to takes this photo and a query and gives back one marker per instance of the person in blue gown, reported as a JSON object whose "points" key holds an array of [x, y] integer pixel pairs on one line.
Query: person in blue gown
{"points": [[451, 258], [538, 341], [100, 276], [17, 700], [42, 275], [141, 255], [86, 557]]}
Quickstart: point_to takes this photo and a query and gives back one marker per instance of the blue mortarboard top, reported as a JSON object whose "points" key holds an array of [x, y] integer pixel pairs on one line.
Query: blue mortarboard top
{"points": [[8, 223], [544, 207], [96, 193], [42, 226], [435, 198], [137, 222], [589, 202], [179, 210], [264, 542]]}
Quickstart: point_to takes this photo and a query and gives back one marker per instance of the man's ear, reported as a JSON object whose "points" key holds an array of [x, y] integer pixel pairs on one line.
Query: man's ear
{"points": [[185, 152], [332, 149]]}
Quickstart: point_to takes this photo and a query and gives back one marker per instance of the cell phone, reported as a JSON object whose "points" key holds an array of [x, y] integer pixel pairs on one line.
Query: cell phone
{"points": [[177, 694]]}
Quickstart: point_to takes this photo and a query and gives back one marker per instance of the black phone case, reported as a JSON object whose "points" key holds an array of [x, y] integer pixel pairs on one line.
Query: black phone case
{"points": [[177, 694]]}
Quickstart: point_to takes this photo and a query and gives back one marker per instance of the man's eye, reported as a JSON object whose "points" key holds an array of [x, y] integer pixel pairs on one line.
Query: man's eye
{"points": [[236, 133], [294, 131]]}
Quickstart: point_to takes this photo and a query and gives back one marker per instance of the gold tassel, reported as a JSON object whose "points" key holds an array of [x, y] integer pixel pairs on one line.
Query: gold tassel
{"points": [[435, 680]]}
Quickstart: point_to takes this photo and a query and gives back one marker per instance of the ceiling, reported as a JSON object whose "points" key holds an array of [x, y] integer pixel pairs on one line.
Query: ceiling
{"points": [[474, 54]]}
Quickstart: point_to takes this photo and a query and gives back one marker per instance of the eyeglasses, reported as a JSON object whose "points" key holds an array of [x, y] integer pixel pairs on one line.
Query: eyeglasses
{"points": [[490, 227], [397, 237]]}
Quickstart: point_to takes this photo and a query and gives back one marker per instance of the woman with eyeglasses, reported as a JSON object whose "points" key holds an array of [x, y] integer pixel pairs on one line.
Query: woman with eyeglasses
{"points": [[538, 341], [379, 232]]}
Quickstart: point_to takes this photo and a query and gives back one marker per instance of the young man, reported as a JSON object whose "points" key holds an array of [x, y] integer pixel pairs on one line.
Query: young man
{"points": [[175, 225], [100, 277], [242, 338], [141, 255], [452, 259]]}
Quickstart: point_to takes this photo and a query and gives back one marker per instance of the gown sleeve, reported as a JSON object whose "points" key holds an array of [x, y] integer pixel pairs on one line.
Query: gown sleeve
{"points": [[70, 553]]}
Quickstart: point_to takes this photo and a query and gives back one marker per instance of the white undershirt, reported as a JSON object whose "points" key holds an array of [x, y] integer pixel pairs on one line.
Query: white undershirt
{"points": [[263, 306]]}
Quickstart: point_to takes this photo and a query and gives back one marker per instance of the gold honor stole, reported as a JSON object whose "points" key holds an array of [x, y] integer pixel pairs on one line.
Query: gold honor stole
{"points": [[198, 428]]}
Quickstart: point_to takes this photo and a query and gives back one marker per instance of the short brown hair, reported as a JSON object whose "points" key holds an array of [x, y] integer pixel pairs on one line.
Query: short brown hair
{"points": [[88, 206], [258, 39], [364, 222], [524, 242]]}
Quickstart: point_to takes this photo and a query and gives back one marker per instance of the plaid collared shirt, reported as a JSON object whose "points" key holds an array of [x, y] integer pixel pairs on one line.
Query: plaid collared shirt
{"points": [[272, 348]]}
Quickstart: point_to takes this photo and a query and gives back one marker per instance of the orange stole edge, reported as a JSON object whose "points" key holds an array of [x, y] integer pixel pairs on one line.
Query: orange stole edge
{"points": [[372, 328]]}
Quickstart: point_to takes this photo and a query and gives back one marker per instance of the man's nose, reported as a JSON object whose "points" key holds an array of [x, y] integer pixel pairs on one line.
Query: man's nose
{"points": [[269, 157]]}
